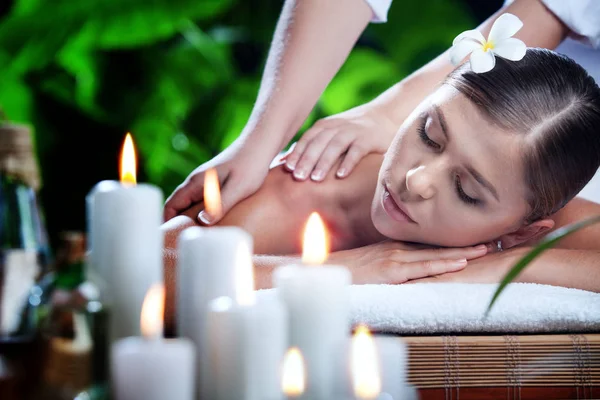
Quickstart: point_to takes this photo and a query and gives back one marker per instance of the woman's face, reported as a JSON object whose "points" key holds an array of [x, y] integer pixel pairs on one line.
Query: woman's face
{"points": [[457, 177]]}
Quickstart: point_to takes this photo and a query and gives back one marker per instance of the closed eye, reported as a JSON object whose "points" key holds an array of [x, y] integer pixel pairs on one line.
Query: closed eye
{"points": [[425, 138], [430, 143], [462, 195]]}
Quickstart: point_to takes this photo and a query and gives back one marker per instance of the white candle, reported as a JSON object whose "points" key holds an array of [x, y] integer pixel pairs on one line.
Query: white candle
{"points": [[294, 374], [365, 365], [126, 244], [318, 307], [392, 353], [376, 368], [246, 342], [150, 367], [206, 266], [205, 271]]}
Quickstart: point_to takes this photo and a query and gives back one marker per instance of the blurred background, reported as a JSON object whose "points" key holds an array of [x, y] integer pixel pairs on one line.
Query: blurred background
{"points": [[180, 75]]}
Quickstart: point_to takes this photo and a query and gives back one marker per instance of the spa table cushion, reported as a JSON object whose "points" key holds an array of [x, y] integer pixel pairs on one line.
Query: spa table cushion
{"points": [[442, 308]]}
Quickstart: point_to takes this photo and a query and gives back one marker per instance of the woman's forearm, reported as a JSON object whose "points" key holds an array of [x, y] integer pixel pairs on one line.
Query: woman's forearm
{"points": [[264, 266], [541, 28], [311, 41], [579, 269]]}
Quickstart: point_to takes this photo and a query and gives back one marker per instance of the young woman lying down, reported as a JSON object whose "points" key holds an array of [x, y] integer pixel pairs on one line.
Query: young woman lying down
{"points": [[489, 161]]}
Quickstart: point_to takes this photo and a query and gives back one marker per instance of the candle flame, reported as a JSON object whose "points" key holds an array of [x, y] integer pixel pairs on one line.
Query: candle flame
{"points": [[316, 241], [244, 276], [293, 377], [128, 162], [212, 194], [365, 365], [153, 310]]}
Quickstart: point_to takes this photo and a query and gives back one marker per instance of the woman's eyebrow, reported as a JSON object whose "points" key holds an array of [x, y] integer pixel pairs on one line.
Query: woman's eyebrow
{"points": [[476, 175], [442, 119]]}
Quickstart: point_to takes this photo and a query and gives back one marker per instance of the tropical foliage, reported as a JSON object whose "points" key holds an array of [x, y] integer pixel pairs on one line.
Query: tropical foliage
{"points": [[181, 75]]}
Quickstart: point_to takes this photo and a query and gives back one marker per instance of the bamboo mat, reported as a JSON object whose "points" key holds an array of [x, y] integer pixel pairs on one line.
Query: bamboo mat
{"points": [[512, 361]]}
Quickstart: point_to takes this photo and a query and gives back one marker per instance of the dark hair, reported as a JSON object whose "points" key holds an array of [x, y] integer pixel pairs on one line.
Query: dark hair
{"points": [[554, 101]]}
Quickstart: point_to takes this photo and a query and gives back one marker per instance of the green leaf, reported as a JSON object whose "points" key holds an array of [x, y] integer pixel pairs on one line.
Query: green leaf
{"points": [[233, 111], [215, 53], [83, 65], [545, 244], [180, 78], [25, 6], [16, 100], [419, 31], [364, 75], [22, 55], [33, 38]]}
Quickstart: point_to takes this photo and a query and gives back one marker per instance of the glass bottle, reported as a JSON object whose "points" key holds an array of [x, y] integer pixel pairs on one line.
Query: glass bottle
{"points": [[24, 254], [23, 239], [74, 329]]}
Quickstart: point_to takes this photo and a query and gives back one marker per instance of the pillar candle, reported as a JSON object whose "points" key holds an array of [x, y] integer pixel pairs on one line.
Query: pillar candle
{"points": [[318, 306], [393, 355], [246, 342], [126, 247], [151, 367], [375, 368], [293, 374], [205, 271]]}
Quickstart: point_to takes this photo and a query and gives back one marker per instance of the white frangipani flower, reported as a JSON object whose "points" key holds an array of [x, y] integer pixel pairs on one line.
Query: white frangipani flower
{"points": [[499, 43]]}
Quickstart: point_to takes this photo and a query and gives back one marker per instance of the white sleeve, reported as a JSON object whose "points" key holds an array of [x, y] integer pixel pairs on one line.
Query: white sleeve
{"points": [[380, 9], [581, 16]]}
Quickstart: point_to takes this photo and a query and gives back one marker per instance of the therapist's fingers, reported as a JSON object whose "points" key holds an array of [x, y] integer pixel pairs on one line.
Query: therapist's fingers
{"points": [[189, 192], [295, 155], [355, 153], [311, 155], [337, 146]]}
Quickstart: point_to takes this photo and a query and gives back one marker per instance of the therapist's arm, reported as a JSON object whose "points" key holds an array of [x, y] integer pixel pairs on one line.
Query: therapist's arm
{"points": [[541, 28], [312, 40]]}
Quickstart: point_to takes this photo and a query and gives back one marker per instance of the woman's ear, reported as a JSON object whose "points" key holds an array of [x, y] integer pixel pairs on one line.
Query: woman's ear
{"points": [[526, 233]]}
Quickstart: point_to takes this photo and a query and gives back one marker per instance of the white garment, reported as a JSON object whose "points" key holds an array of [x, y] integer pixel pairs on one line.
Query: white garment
{"points": [[583, 18], [380, 9]]}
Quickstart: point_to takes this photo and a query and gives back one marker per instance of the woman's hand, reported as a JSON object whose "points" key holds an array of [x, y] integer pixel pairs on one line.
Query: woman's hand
{"points": [[353, 134], [489, 269], [395, 262], [242, 168]]}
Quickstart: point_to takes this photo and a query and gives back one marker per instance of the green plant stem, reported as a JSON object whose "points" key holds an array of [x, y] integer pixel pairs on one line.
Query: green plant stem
{"points": [[544, 245]]}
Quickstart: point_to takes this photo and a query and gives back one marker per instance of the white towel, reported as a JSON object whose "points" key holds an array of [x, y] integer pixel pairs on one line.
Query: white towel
{"points": [[441, 308]]}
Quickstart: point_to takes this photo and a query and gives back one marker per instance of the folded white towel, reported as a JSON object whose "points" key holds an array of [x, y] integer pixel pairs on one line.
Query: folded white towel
{"points": [[459, 308]]}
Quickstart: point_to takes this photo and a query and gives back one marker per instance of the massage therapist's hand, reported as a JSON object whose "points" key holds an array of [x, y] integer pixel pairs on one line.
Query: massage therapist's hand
{"points": [[395, 262], [242, 168], [352, 134]]}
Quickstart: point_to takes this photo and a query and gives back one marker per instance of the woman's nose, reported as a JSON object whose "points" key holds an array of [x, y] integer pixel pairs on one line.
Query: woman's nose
{"points": [[419, 181]]}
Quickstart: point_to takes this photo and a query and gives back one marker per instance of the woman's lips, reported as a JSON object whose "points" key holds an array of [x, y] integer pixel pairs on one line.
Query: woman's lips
{"points": [[393, 209]]}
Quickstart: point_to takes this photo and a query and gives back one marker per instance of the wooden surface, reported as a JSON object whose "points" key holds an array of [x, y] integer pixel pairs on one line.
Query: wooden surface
{"points": [[505, 367]]}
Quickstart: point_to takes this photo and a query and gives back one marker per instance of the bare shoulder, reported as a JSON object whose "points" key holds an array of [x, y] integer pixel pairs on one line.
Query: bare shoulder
{"points": [[576, 210]]}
